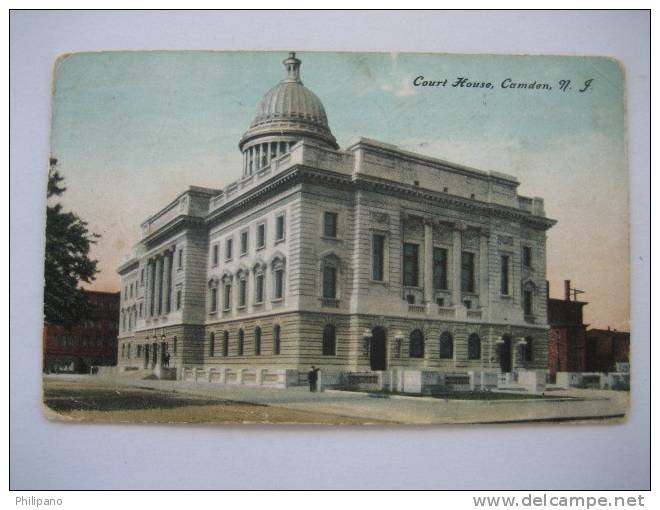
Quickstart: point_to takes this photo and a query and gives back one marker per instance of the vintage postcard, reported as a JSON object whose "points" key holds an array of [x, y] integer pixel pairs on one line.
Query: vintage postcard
{"points": [[336, 238]]}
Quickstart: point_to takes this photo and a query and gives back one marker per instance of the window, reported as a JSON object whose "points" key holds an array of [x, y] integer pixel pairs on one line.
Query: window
{"points": [[467, 271], [261, 235], [225, 344], [410, 264], [228, 248], [279, 284], [139, 350], [214, 257], [227, 296], [141, 309], [529, 349], [330, 224], [329, 340], [123, 350], [242, 291], [180, 259], [178, 300], [416, 347], [257, 340], [214, 299], [175, 344], [504, 275], [259, 288], [378, 257], [446, 346], [527, 256], [244, 243], [128, 351], [528, 302], [276, 339], [474, 347], [241, 341], [439, 268], [329, 282], [279, 227], [142, 276], [212, 345]]}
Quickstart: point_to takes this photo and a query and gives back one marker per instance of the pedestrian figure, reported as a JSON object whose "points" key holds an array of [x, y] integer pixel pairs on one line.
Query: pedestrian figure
{"points": [[313, 377], [166, 361]]}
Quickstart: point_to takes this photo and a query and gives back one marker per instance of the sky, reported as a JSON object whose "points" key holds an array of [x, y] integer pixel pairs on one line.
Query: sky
{"points": [[131, 130]]}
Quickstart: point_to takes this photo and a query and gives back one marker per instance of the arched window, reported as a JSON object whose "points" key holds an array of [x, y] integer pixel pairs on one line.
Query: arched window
{"points": [[225, 344], [416, 348], [529, 349], [240, 342], [257, 340], [474, 346], [446, 346], [212, 345], [329, 340], [276, 339]]}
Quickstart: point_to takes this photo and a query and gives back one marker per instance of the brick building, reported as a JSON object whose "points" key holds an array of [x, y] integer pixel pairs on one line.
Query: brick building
{"points": [[567, 338], [607, 350], [369, 260], [90, 343]]}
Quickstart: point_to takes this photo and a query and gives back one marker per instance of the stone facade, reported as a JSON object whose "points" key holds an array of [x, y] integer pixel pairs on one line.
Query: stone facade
{"points": [[364, 260]]}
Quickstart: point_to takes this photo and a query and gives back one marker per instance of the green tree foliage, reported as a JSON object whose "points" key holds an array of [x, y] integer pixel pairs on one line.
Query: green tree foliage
{"points": [[68, 242]]}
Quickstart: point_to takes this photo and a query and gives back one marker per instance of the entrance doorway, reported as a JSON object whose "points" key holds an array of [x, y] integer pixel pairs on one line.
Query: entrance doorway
{"points": [[378, 350], [146, 355], [505, 354]]}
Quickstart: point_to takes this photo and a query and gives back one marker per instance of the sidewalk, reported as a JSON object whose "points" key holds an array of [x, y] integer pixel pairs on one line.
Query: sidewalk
{"points": [[592, 405]]}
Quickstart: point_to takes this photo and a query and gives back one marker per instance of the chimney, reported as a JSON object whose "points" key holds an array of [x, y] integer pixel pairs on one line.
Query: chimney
{"points": [[567, 290]]}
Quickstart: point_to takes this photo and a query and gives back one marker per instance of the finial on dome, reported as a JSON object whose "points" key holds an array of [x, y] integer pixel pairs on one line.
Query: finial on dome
{"points": [[292, 65]]}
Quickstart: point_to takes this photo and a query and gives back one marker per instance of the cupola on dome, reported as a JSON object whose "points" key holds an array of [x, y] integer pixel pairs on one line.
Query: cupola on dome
{"points": [[288, 113]]}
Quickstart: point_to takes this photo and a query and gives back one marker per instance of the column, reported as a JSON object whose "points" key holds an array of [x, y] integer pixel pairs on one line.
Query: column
{"points": [[268, 153], [166, 284], [484, 291], [158, 294], [257, 157], [428, 260], [245, 168], [152, 285], [456, 266]]}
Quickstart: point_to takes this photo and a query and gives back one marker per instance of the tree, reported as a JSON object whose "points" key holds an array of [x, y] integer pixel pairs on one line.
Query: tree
{"points": [[67, 264]]}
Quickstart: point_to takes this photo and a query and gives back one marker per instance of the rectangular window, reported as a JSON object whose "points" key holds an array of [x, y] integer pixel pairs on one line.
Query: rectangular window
{"points": [[527, 302], [279, 284], [142, 276], [378, 257], [244, 242], [410, 264], [467, 271], [330, 224], [329, 282], [140, 309], [228, 248], [259, 290], [178, 300], [180, 259], [504, 275], [242, 286], [214, 300], [279, 228], [227, 300], [439, 268], [214, 258], [527, 256], [261, 235]]}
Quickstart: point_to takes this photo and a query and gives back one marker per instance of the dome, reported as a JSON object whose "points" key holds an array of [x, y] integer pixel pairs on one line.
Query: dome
{"points": [[291, 110]]}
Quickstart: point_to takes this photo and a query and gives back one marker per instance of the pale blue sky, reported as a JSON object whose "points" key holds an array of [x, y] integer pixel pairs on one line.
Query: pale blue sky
{"points": [[133, 129]]}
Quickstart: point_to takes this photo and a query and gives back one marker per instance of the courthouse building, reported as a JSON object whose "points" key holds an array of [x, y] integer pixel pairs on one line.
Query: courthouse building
{"points": [[368, 261]]}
